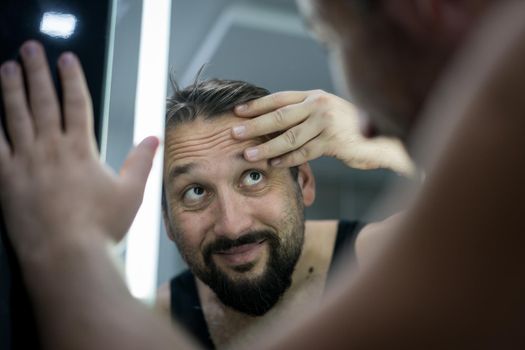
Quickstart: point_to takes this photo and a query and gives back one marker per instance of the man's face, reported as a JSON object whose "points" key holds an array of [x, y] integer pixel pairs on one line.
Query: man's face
{"points": [[238, 225], [388, 73]]}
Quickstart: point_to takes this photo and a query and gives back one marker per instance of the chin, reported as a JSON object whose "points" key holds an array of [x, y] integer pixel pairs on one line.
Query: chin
{"points": [[246, 272]]}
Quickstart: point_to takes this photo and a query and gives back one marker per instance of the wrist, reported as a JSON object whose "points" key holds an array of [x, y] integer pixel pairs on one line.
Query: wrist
{"points": [[56, 253]]}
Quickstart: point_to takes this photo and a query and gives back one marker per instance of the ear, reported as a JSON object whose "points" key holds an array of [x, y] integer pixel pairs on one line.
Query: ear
{"points": [[306, 181], [165, 218]]}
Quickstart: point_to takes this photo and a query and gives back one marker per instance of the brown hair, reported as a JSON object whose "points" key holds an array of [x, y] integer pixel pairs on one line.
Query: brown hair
{"points": [[208, 98]]}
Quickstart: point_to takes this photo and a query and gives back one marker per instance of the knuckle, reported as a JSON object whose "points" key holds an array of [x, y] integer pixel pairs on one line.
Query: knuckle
{"points": [[291, 137], [53, 141], [279, 117], [277, 98], [318, 92], [77, 100], [16, 122], [321, 99], [44, 99], [77, 147], [304, 152], [329, 115]]}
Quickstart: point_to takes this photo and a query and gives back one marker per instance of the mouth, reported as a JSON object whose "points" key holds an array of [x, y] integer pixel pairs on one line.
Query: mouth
{"points": [[241, 254]]}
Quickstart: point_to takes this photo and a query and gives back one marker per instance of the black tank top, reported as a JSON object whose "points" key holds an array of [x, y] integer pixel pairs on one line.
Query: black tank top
{"points": [[185, 303]]}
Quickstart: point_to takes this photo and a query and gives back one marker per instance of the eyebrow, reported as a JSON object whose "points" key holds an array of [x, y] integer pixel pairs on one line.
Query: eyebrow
{"points": [[187, 168], [181, 170]]}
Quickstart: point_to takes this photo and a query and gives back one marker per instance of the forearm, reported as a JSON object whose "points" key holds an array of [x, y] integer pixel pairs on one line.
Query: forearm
{"points": [[81, 301]]}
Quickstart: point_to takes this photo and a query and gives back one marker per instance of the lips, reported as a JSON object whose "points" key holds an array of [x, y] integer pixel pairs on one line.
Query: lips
{"points": [[241, 254]]}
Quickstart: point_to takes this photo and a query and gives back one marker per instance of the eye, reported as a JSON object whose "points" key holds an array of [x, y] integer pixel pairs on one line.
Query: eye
{"points": [[194, 194], [252, 178]]}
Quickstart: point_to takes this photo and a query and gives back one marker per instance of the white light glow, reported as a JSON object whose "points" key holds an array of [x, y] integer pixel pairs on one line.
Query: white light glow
{"points": [[143, 237], [58, 25]]}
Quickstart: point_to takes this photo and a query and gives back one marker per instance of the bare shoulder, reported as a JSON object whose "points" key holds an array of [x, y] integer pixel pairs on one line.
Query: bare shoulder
{"points": [[163, 300], [320, 236], [319, 239], [321, 226]]}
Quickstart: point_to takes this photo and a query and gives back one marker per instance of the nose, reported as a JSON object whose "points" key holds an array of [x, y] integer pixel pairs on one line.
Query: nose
{"points": [[233, 215]]}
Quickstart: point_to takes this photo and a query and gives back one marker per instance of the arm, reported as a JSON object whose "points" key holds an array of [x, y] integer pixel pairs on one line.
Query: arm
{"points": [[312, 124], [62, 208]]}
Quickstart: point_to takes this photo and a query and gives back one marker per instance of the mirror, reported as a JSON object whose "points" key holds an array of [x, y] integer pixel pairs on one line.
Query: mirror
{"points": [[254, 41]]}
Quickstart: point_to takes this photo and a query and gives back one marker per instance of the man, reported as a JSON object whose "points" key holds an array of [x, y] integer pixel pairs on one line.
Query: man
{"points": [[240, 225], [451, 274]]}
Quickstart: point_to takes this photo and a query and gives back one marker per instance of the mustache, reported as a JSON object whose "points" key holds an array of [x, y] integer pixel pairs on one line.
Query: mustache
{"points": [[223, 243]]}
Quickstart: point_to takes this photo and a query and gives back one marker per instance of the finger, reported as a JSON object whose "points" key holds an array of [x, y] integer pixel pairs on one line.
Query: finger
{"points": [[307, 152], [137, 166], [292, 139], [19, 126], [42, 95], [77, 106], [4, 146], [280, 119], [269, 103]]}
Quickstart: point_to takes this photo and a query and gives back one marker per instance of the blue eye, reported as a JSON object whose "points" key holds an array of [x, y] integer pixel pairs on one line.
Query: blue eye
{"points": [[252, 178], [194, 194]]}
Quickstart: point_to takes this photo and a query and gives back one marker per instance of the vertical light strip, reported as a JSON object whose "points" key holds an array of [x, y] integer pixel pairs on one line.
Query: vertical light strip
{"points": [[142, 241], [108, 72]]}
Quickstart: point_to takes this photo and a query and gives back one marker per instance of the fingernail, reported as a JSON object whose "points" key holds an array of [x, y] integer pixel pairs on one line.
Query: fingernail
{"points": [[67, 59], [252, 153], [8, 69], [241, 108], [239, 130], [275, 162], [30, 49]]}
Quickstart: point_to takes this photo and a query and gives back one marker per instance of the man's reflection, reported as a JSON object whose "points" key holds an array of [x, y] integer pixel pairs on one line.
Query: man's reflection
{"points": [[239, 225]]}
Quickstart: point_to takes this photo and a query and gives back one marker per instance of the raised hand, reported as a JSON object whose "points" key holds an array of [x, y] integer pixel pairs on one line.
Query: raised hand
{"points": [[53, 185], [305, 125]]}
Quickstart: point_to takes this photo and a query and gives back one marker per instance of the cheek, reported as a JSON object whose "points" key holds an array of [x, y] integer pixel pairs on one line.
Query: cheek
{"points": [[269, 211], [189, 231], [275, 211]]}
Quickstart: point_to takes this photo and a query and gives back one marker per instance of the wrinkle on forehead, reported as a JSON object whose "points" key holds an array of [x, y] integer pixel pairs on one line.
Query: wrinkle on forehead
{"points": [[203, 139]]}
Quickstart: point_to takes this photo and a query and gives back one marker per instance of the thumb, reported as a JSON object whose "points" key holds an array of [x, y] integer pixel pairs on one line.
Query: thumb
{"points": [[137, 166]]}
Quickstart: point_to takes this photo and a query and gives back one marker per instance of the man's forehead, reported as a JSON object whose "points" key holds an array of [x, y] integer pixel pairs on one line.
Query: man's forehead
{"points": [[203, 126], [205, 140]]}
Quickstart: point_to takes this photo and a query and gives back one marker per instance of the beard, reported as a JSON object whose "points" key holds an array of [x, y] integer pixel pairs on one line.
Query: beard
{"points": [[253, 296]]}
